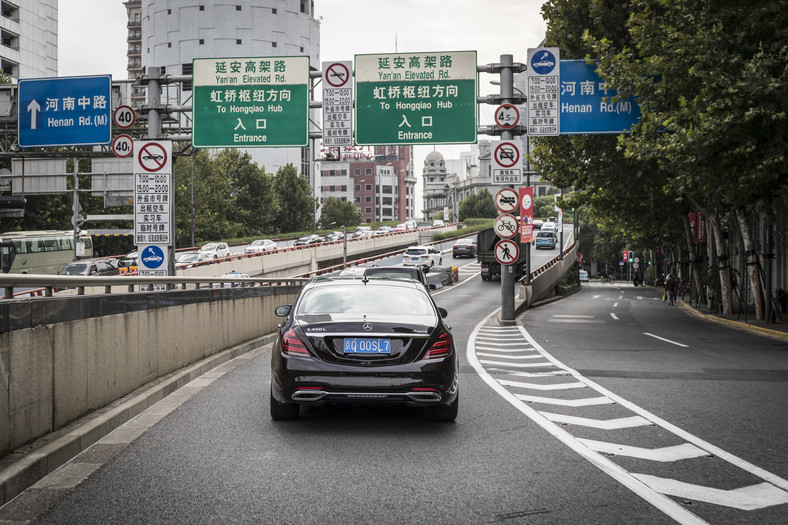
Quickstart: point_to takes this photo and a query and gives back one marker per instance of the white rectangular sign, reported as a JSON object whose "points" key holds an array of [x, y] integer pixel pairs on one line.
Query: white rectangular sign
{"points": [[544, 104], [153, 192], [337, 103], [507, 166]]}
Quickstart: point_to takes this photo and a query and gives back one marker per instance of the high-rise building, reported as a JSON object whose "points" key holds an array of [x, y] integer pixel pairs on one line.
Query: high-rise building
{"points": [[28, 34], [175, 32], [134, 53]]}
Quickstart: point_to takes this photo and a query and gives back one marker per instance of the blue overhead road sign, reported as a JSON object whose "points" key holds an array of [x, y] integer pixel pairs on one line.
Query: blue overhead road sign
{"points": [[64, 111], [586, 106]]}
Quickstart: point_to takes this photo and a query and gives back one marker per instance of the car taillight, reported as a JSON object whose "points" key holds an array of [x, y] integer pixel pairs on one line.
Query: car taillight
{"points": [[440, 348], [292, 345]]}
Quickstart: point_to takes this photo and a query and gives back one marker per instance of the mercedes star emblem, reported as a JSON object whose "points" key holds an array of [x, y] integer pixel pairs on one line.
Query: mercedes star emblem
{"points": [[367, 327]]}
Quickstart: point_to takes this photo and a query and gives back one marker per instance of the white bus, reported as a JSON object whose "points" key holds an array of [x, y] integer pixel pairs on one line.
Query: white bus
{"points": [[45, 251]]}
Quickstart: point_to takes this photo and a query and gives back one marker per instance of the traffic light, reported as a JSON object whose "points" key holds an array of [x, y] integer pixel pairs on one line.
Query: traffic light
{"points": [[624, 257], [631, 256]]}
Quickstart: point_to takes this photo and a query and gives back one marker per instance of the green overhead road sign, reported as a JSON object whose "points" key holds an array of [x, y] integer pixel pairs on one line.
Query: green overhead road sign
{"points": [[250, 102], [416, 98]]}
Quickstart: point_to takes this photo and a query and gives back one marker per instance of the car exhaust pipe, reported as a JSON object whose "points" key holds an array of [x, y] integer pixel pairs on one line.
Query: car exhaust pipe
{"points": [[308, 395], [425, 396]]}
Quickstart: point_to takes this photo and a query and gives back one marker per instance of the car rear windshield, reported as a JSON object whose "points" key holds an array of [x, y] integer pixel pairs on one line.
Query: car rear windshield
{"points": [[365, 300], [76, 269], [416, 251]]}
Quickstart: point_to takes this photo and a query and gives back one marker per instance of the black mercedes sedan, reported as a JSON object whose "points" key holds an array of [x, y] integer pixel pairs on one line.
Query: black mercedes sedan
{"points": [[364, 341]]}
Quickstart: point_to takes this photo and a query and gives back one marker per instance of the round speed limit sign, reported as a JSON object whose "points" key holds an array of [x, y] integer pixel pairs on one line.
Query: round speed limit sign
{"points": [[124, 117], [122, 146]]}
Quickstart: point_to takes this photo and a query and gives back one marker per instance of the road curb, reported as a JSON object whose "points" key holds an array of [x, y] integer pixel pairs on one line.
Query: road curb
{"points": [[32, 462], [738, 325]]}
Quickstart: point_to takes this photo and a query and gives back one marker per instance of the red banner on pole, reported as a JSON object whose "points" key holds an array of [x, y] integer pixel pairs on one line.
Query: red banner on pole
{"points": [[526, 214]]}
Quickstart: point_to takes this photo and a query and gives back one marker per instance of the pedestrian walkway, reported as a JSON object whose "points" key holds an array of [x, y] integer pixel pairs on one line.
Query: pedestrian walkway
{"points": [[778, 330]]}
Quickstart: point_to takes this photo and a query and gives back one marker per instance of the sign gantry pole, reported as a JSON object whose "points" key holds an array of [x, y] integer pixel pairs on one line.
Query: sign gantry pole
{"points": [[507, 271]]}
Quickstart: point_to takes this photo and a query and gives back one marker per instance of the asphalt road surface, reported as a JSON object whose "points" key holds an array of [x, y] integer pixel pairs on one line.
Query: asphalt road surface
{"points": [[605, 407]]}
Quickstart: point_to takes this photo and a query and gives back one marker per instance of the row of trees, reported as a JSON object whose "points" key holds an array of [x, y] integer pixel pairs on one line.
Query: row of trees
{"points": [[233, 198], [711, 80]]}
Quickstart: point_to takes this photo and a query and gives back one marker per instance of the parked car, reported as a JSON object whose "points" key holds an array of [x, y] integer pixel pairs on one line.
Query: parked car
{"points": [[417, 273], [233, 274], [437, 223], [215, 250], [464, 248], [401, 227], [360, 229], [411, 225], [383, 229], [549, 226], [333, 236], [583, 275], [426, 255], [307, 240], [100, 266], [128, 263], [261, 246], [341, 344], [545, 239], [189, 260]]}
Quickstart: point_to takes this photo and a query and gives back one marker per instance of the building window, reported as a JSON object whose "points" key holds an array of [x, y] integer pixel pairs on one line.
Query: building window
{"points": [[202, 41], [367, 199], [187, 69], [238, 8], [169, 11], [343, 188], [273, 11], [273, 44], [357, 199], [367, 210], [169, 44], [368, 171], [356, 171], [202, 8], [357, 187], [368, 187], [238, 41], [302, 49]]}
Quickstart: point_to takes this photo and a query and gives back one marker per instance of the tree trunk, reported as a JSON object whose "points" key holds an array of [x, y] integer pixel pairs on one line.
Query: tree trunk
{"points": [[724, 266], [694, 264], [752, 263]]}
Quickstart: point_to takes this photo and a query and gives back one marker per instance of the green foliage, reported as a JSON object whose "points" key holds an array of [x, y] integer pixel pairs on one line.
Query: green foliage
{"points": [[470, 227], [339, 213], [544, 207], [296, 205], [478, 205]]}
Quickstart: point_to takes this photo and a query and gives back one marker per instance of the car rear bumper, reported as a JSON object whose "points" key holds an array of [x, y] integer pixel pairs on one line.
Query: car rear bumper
{"points": [[415, 384]]}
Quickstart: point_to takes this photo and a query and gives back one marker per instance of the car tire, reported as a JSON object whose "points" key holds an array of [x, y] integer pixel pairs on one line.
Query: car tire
{"points": [[280, 411], [445, 412]]}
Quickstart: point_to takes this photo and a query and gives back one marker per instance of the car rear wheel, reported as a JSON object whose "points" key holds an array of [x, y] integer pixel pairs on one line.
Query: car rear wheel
{"points": [[283, 410], [445, 413]]}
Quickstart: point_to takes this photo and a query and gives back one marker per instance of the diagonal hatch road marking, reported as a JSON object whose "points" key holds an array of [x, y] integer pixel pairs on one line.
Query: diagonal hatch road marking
{"points": [[663, 454], [753, 497]]}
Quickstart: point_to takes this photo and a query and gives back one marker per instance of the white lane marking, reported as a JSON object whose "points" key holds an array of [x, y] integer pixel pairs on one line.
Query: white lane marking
{"points": [[584, 402], [493, 341], [606, 424], [615, 304], [578, 316], [506, 356], [666, 340], [576, 321], [506, 350], [670, 427], [540, 374], [537, 386], [663, 454], [516, 365], [614, 316], [620, 297], [663, 503], [753, 497]]}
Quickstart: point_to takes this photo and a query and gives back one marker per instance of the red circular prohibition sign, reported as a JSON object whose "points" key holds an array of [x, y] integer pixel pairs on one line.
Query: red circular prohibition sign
{"points": [[501, 155], [150, 159], [338, 71]]}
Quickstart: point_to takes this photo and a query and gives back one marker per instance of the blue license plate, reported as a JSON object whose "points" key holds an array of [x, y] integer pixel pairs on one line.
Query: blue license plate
{"points": [[358, 345]]}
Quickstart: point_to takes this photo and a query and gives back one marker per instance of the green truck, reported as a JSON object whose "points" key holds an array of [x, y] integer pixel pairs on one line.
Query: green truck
{"points": [[485, 254]]}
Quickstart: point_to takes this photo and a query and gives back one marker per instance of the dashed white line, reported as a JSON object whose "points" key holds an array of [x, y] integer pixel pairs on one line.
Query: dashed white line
{"points": [[614, 316], [666, 340]]}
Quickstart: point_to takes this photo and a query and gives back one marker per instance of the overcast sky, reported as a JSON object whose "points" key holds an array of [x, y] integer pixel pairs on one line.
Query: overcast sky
{"points": [[92, 34]]}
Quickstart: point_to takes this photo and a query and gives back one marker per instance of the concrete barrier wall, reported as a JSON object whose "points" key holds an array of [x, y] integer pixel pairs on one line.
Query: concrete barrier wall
{"points": [[543, 284], [53, 374]]}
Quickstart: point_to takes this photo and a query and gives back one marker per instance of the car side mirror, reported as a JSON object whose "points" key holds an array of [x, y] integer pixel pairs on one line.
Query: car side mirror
{"points": [[443, 312], [283, 310]]}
